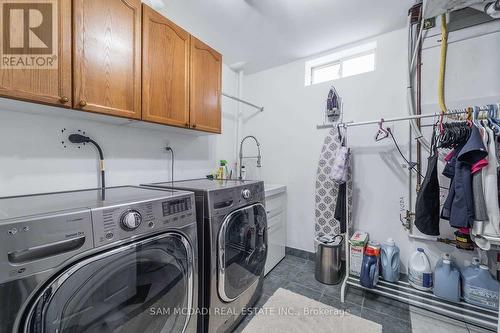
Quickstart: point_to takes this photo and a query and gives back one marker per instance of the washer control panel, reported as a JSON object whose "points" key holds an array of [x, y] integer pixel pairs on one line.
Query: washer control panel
{"points": [[246, 194], [131, 220], [224, 201], [120, 222]]}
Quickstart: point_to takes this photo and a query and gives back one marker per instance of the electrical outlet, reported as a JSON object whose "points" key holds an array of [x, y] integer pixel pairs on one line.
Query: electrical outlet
{"points": [[64, 141]]}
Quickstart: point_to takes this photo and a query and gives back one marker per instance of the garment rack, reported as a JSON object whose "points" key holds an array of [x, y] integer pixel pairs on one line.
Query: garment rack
{"points": [[260, 108], [401, 290], [369, 122]]}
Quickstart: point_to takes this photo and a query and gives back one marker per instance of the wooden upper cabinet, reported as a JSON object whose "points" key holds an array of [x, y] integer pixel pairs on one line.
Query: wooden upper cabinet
{"points": [[36, 63], [165, 70], [205, 83], [107, 57]]}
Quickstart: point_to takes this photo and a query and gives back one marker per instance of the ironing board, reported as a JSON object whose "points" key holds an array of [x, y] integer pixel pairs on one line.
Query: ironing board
{"points": [[327, 190]]}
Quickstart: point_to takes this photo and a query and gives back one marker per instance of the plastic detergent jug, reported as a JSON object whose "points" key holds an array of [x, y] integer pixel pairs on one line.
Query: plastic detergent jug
{"points": [[444, 256], [389, 258], [420, 272], [471, 270], [447, 281], [369, 266], [480, 288]]}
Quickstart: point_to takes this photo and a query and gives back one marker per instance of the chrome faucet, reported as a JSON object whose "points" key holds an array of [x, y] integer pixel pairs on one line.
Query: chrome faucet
{"points": [[258, 157]]}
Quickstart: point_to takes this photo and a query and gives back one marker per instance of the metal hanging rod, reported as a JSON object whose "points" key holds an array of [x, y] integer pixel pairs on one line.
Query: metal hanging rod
{"points": [[369, 122], [260, 108]]}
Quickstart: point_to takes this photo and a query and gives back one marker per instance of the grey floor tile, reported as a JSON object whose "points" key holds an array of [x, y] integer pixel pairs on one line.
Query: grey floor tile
{"points": [[262, 300], [389, 324], [306, 278], [387, 306], [294, 261], [273, 283], [352, 295], [310, 265], [422, 323], [332, 290], [303, 290]]}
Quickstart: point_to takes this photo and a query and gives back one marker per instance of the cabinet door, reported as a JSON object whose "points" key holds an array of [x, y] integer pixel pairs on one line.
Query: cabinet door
{"points": [[107, 57], [205, 92], [165, 70], [39, 61]]}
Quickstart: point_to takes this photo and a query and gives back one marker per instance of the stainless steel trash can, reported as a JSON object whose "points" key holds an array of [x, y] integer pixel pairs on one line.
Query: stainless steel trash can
{"points": [[328, 260]]}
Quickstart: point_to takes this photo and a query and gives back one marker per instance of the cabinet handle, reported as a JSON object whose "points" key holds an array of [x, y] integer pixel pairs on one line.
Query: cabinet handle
{"points": [[82, 103], [64, 99], [193, 126], [187, 124]]}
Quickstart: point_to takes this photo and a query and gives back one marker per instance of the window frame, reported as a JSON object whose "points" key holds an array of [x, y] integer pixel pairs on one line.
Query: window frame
{"points": [[339, 58]]}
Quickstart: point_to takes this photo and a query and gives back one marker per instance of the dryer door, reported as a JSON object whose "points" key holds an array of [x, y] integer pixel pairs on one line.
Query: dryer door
{"points": [[242, 250], [143, 287]]}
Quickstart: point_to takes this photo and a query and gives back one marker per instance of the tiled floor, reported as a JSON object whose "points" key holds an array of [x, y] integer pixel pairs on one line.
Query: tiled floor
{"points": [[297, 275]]}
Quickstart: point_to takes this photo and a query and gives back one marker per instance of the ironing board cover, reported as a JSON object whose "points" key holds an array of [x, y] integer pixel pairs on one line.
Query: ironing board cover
{"points": [[327, 190]]}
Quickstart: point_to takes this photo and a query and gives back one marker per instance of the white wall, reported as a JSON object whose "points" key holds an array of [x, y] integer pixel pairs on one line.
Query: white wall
{"points": [[32, 158], [291, 143]]}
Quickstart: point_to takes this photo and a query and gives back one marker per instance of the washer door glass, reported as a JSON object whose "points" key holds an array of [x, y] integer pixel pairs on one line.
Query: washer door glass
{"points": [[143, 287], [242, 250]]}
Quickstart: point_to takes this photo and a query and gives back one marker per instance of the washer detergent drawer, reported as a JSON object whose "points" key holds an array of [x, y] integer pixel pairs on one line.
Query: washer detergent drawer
{"points": [[36, 245], [146, 286], [242, 250]]}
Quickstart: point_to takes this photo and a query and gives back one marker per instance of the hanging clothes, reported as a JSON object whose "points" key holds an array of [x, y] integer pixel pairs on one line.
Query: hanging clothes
{"points": [[475, 154], [490, 182], [427, 206], [340, 208], [340, 165], [480, 209], [458, 208]]}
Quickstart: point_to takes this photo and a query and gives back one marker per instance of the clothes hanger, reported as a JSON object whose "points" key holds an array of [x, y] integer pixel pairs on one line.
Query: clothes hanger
{"points": [[382, 133]]}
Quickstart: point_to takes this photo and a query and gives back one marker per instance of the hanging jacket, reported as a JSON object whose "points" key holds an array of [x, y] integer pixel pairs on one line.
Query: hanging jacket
{"points": [[427, 206], [459, 205]]}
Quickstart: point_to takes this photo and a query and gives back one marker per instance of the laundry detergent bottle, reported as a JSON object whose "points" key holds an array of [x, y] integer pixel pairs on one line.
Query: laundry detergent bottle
{"points": [[370, 265], [389, 258], [472, 269], [444, 256], [420, 271], [480, 288], [447, 281]]}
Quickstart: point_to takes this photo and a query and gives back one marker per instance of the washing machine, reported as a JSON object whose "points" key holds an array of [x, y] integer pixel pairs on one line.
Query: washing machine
{"points": [[122, 259], [232, 225]]}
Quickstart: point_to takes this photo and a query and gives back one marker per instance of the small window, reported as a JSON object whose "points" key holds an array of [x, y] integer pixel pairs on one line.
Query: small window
{"points": [[325, 73], [354, 61], [358, 65]]}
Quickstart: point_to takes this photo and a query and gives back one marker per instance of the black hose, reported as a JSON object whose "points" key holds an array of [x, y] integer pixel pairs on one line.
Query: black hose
{"points": [[410, 165], [173, 161], [78, 138]]}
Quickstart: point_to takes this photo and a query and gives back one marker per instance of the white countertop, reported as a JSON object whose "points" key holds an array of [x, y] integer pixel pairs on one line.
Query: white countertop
{"points": [[272, 189]]}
